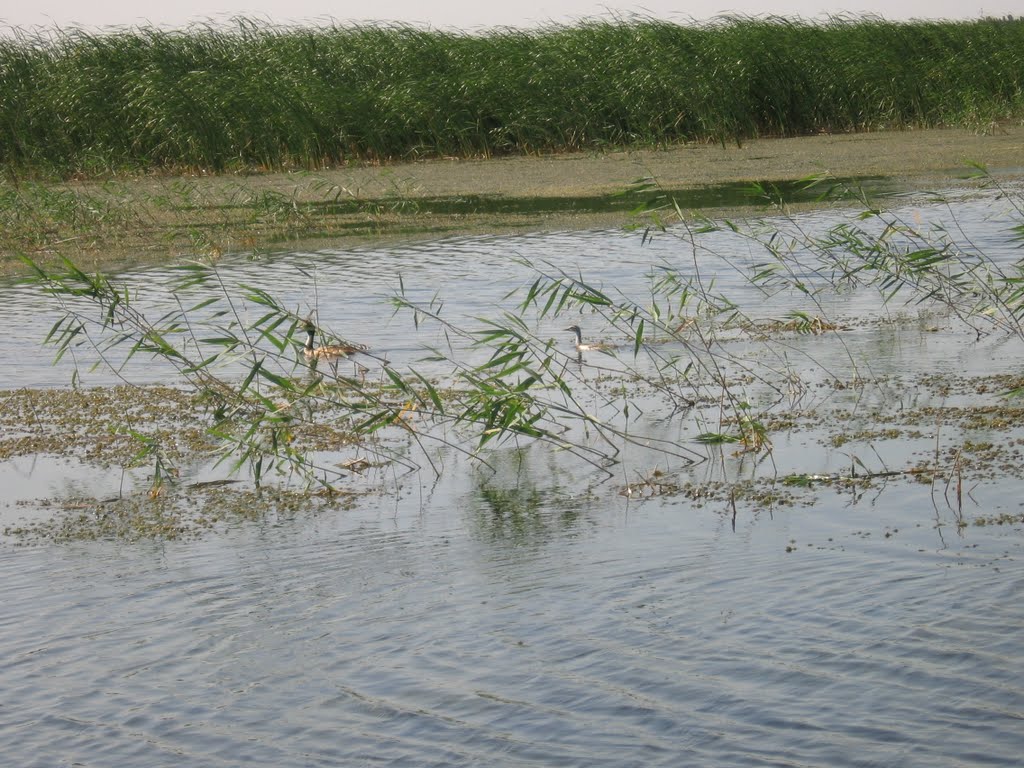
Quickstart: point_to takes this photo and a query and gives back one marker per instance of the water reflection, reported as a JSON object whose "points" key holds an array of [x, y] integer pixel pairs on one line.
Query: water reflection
{"points": [[524, 518]]}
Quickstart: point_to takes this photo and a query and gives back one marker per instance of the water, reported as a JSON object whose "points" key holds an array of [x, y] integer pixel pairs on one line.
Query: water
{"points": [[528, 613], [650, 635]]}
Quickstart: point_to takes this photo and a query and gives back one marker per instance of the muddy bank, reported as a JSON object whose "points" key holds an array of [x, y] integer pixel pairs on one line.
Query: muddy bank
{"points": [[934, 155], [103, 224]]}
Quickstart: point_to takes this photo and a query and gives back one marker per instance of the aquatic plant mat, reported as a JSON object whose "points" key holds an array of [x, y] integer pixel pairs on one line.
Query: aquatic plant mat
{"points": [[152, 445], [957, 450]]}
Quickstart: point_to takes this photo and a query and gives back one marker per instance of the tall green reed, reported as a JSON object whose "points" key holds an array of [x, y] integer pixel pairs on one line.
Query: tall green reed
{"points": [[260, 96]]}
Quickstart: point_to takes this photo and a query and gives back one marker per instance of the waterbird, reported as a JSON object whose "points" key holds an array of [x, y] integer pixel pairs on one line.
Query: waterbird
{"points": [[328, 351], [580, 346]]}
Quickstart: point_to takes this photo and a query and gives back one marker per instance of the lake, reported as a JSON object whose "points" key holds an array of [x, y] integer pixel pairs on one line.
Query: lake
{"points": [[713, 606]]}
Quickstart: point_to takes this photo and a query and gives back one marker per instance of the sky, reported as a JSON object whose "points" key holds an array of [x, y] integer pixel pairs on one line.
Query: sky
{"points": [[468, 15]]}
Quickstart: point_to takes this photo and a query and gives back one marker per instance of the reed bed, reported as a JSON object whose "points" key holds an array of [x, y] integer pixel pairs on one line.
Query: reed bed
{"points": [[257, 96]]}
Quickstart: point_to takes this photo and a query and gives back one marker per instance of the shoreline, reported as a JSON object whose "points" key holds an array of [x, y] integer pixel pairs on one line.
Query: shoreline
{"points": [[931, 153], [103, 224]]}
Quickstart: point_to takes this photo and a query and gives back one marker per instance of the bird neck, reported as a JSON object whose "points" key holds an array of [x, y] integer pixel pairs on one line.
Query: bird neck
{"points": [[309, 340], [579, 336]]}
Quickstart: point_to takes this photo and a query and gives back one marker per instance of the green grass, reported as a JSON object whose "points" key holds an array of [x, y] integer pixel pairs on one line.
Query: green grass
{"points": [[264, 97]]}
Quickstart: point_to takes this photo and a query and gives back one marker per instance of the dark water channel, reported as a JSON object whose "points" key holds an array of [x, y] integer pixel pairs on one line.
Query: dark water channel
{"points": [[531, 614]]}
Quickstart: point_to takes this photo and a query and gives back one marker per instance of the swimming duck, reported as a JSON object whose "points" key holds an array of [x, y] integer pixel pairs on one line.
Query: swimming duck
{"points": [[330, 350], [580, 346]]}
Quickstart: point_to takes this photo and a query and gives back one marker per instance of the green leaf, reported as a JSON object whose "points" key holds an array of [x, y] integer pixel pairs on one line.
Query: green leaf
{"points": [[431, 392], [273, 378], [199, 366]]}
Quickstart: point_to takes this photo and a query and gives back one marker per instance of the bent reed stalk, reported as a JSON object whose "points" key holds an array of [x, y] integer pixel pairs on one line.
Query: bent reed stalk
{"points": [[258, 96]]}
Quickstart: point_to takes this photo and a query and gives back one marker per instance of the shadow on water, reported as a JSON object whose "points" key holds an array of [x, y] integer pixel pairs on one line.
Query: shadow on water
{"points": [[718, 196]]}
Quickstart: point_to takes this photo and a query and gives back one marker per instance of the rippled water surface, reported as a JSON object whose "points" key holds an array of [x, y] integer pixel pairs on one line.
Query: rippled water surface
{"points": [[528, 613]]}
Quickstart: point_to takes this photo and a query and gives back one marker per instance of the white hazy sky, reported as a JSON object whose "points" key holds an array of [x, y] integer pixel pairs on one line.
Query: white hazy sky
{"points": [[464, 14]]}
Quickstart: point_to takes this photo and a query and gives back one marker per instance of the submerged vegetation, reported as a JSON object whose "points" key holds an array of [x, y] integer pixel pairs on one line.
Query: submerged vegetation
{"points": [[261, 97]]}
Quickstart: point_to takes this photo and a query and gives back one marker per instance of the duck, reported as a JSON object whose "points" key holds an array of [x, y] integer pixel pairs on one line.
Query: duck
{"points": [[328, 351], [581, 347]]}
